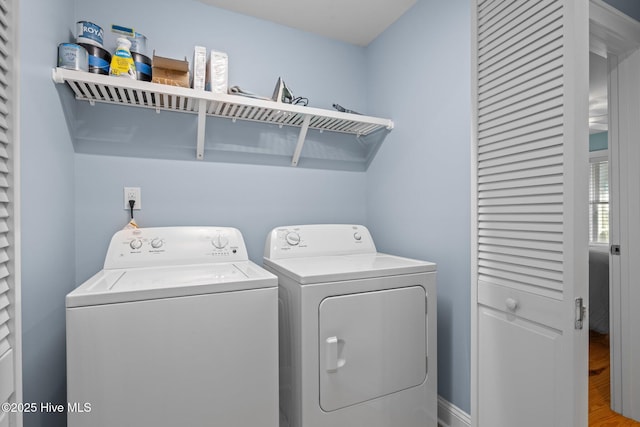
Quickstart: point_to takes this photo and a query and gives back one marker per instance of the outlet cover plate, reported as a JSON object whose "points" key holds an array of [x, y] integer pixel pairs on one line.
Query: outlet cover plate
{"points": [[135, 194]]}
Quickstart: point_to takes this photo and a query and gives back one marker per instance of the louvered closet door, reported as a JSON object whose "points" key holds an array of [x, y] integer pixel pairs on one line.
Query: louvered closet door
{"points": [[8, 310], [530, 85]]}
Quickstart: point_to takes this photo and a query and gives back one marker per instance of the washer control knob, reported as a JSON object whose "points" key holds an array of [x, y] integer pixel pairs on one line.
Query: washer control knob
{"points": [[135, 244], [157, 243], [357, 236], [292, 238], [220, 241]]}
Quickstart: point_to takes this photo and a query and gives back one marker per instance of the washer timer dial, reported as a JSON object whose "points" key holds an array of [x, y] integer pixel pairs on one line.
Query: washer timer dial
{"points": [[292, 238], [157, 243], [220, 241]]}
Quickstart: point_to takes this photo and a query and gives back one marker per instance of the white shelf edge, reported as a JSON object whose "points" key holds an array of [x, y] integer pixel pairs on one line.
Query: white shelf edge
{"points": [[124, 91]]}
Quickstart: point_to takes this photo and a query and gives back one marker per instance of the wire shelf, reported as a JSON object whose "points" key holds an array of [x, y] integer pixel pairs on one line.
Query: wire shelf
{"points": [[116, 90]]}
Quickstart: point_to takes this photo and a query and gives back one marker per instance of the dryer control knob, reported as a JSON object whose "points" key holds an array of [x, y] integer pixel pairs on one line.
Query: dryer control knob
{"points": [[292, 238], [220, 241], [157, 243], [135, 244], [357, 236]]}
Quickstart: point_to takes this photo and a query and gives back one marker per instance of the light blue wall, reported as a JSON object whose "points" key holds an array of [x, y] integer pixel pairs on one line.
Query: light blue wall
{"points": [[48, 201], [598, 141], [415, 196], [72, 202], [252, 198], [259, 51], [418, 186], [630, 7]]}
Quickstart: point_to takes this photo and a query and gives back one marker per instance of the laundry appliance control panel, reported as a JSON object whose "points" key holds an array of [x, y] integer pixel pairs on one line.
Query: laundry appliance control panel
{"points": [[318, 240], [161, 246]]}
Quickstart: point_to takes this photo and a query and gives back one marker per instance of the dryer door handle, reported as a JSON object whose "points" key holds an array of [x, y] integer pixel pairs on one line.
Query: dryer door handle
{"points": [[331, 349]]}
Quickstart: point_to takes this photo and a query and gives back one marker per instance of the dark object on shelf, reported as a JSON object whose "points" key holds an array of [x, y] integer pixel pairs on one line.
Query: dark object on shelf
{"points": [[99, 59], [143, 66], [344, 110]]}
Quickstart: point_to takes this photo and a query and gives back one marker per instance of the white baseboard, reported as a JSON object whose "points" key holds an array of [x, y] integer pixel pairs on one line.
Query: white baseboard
{"points": [[449, 415]]}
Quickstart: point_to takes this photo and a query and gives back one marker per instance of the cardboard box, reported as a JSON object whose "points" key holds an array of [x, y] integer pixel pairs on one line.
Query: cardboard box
{"points": [[199, 70], [172, 72], [217, 79]]}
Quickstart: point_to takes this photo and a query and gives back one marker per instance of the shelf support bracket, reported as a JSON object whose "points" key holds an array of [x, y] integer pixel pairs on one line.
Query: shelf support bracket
{"points": [[55, 75], [202, 116], [301, 138]]}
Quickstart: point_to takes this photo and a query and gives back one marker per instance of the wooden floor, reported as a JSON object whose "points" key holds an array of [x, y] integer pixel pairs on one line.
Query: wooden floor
{"points": [[600, 414]]}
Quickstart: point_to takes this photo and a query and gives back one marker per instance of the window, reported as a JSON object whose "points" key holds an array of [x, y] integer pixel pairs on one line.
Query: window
{"points": [[599, 201]]}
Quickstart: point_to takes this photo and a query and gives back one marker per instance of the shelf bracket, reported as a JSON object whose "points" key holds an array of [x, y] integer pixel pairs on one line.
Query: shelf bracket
{"points": [[57, 78], [202, 116], [301, 138]]}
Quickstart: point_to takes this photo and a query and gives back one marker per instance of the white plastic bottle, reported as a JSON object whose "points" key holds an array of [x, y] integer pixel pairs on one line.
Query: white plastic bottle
{"points": [[122, 64]]}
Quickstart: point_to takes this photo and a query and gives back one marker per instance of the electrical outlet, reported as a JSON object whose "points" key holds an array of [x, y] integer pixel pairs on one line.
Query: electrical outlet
{"points": [[132, 193]]}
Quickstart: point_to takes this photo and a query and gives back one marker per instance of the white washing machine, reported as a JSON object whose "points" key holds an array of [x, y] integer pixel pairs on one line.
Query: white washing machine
{"points": [[178, 329], [357, 330]]}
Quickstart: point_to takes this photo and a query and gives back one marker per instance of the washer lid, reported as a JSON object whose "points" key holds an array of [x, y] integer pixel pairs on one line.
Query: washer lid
{"points": [[137, 284], [347, 267]]}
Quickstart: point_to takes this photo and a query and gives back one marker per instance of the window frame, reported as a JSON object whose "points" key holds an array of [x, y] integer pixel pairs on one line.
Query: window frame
{"points": [[596, 157]]}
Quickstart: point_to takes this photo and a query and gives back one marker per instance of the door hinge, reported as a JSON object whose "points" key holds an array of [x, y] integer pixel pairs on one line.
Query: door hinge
{"points": [[615, 249], [580, 311]]}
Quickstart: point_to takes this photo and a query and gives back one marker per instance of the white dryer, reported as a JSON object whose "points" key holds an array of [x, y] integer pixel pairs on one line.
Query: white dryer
{"points": [[357, 330], [178, 329]]}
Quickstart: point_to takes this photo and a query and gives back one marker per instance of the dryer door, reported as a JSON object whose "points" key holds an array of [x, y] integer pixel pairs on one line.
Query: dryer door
{"points": [[371, 344]]}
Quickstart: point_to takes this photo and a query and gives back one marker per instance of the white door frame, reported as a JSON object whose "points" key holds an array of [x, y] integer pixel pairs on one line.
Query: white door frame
{"points": [[617, 37]]}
